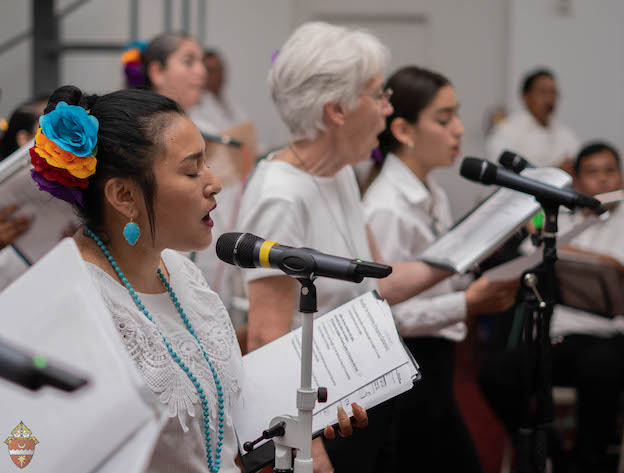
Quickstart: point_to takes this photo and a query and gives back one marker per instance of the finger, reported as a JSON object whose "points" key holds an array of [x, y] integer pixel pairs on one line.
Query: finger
{"points": [[360, 415], [8, 211], [18, 227], [329, 433], [9, 236], [21, 220], [346, 429], [19, 231]]}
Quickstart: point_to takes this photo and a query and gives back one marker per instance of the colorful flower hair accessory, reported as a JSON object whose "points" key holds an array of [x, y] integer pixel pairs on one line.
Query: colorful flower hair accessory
{"points": [[131, 61], [63, 157], [274, 56]]}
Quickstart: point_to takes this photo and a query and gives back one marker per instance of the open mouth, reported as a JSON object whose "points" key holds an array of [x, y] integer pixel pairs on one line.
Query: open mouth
{"points": [[207, 220]]}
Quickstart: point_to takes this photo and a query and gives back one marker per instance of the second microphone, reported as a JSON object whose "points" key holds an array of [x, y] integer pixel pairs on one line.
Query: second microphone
{"points": [[249, 251]]}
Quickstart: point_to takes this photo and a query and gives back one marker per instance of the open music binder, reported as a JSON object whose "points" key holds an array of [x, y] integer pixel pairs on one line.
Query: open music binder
{"points": [[50, 216], [109, 425], [358, 356], [590, 283], [489, 225]]}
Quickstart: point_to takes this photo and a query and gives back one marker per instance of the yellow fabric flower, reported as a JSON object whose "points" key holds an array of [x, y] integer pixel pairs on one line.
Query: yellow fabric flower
{"points": [[78, 166]]}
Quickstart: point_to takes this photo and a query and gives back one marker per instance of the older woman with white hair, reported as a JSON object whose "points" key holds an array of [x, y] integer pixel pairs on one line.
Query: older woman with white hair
{"points": [[326, 82]]}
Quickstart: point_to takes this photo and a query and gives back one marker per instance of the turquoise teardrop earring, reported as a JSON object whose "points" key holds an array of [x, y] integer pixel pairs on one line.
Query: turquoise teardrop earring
{"points": [[131, 232]]}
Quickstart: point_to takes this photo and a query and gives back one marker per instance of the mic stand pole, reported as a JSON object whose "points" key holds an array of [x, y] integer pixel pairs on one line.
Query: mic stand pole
{"points": [[296, 432], [533, 433]]}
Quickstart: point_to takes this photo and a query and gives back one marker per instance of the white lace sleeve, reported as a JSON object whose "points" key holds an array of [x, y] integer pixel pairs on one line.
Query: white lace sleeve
{"points": [[145, 344]]}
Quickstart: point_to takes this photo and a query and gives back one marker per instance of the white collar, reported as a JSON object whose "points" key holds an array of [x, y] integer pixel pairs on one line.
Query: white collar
{"points": [[407, 183]]}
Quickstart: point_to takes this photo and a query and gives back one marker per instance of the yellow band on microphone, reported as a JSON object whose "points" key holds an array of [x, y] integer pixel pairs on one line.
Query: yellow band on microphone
{"points": [[263, 257]]}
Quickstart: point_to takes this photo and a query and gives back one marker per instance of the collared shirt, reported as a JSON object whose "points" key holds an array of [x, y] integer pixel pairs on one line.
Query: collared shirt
{"points": [[405, 216], [541, 146], [604, 237]]}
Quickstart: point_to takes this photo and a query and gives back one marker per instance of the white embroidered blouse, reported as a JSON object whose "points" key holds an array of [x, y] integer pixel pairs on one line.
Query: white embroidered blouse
{"points": [[181, 446]]}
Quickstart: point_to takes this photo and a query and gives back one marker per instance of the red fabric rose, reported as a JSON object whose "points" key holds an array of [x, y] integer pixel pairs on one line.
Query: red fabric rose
{"points": [[62, 176]]}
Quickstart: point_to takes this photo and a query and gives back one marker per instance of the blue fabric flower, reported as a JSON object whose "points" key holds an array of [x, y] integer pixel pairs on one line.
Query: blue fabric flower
{"points": [[71, 128]]}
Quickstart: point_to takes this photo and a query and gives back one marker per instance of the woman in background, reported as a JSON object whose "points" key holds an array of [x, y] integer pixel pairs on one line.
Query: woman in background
{"points": [[172, 64], [327, 85], [22, 126], [407, 210]]}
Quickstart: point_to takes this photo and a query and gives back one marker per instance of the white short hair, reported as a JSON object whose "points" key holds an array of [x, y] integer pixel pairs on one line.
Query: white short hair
{"points": [[319, 64]]}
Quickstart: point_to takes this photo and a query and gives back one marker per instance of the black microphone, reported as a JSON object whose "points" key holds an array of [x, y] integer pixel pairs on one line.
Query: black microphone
{"points": [[514, 162], [33, 371], [485, 172], [249, 251]]}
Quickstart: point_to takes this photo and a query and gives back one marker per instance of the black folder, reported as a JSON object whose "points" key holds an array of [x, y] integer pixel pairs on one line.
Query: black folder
{"points": [[591, 284]]}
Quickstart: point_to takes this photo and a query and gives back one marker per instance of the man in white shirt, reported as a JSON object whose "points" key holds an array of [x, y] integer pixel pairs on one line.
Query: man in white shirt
{"points": [[533, 132]]}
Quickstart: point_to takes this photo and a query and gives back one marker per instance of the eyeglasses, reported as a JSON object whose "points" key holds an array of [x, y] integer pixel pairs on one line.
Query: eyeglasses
{"points": [[381, 95]]}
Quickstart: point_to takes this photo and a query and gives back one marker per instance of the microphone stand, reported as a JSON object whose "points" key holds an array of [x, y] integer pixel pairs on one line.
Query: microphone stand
{"points": [[532, 444], [295, 432]]}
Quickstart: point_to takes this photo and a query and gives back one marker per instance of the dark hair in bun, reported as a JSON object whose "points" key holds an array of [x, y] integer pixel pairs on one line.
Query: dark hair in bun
{"points": [[130, 124]]}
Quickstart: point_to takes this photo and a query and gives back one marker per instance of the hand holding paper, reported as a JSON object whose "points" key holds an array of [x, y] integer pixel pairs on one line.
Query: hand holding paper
{"points": [[12, 225]]}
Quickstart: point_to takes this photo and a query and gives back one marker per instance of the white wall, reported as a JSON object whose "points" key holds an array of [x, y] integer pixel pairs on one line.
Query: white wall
{"points": [[483, 46], [583, 42], [15, 67]]}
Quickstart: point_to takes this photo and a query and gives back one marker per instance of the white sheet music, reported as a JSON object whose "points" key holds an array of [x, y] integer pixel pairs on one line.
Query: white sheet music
{"points": [[358, 357], [55, 310], [51, 216], [487, 227]]}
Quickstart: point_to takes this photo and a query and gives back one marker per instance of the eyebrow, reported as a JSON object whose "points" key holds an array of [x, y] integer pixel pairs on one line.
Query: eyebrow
{"points": [[193, 157], [448, 109]]}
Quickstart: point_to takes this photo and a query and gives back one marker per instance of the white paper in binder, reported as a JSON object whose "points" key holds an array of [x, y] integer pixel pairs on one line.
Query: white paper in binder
{"points": [[490, 224], [109, 425], [358, 356], [50, 216]]}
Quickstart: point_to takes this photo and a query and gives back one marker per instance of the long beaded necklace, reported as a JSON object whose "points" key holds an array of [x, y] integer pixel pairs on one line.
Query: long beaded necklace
{"points": [[213, 466]]}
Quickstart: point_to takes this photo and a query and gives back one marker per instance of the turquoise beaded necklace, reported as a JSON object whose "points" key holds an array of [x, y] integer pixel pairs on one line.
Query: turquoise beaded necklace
{"points": [[213, 466]]}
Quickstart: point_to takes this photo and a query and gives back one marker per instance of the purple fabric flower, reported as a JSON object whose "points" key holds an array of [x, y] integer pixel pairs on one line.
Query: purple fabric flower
{"points": [[73, 195], [135, 77], [377, 156]]}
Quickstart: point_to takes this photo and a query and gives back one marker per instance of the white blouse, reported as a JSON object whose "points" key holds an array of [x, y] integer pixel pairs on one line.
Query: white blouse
{"points": [[181, 446], [285, 204], [406, 216]]}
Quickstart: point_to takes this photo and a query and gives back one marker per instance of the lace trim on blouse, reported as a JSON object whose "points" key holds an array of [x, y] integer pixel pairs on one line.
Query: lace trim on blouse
{"points": [[145, 345]]}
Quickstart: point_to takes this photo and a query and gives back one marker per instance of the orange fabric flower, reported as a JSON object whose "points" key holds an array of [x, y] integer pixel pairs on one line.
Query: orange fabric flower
{"points": [[78, 166], [51, 173], [131, 55]]}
